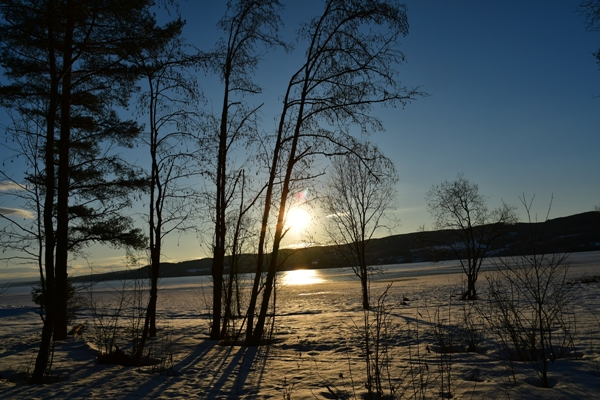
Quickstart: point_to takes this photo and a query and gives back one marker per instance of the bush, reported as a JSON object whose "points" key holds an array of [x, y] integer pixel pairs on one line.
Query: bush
{"points": [[75, 300]]}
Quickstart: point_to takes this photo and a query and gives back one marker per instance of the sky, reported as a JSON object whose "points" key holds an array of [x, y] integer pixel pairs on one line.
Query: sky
{"points": [[513, 101]]}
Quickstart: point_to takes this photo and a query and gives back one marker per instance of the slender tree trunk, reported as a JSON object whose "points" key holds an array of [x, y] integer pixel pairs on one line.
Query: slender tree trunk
{"points": [[228, 299], [62, 216], [470, 293], [260, 257], [269, 284], [154, 222], [217, 276], [364, 280], [274, 262], [367, 333], [364, 272], [218, 265], [233, 267], [149, 329], [137, 356], [49, 289], [154, 275]]}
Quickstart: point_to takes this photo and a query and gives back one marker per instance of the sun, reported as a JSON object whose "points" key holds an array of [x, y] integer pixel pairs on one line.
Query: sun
{"points": [[298, 219]]}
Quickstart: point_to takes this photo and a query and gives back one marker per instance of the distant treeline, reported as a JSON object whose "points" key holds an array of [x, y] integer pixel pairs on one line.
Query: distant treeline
{"points": [[575, 233]]}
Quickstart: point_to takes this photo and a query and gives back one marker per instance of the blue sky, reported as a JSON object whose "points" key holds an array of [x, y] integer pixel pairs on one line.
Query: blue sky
{"points": [[512, 105]]}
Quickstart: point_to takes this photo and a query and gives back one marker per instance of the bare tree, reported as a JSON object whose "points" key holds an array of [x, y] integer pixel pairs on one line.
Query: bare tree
{"points": [[472, 227], [247, 25], [239, 237], [360, 193], [168, 103], [530, 298], [21, 230], [348, 67]]}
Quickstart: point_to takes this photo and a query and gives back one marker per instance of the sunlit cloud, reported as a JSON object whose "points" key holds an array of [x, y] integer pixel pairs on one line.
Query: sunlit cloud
{"points": [[337, 215], [5, 186], [16, 212]]}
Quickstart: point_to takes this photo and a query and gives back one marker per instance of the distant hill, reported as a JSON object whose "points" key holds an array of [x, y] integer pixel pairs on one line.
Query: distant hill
{"points": [[575, 233]]}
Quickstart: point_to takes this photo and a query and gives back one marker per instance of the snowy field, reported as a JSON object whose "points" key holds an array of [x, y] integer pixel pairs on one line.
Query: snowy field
{"points": [[316, 352]]}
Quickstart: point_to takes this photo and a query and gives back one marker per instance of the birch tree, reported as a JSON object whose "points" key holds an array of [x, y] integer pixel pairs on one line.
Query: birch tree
{"points": [[360, 194], [248, 26], [349, 66], [458, 206]]}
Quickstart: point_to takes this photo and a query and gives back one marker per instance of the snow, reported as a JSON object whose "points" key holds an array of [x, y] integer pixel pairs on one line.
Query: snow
{"points": [[317, 348]]}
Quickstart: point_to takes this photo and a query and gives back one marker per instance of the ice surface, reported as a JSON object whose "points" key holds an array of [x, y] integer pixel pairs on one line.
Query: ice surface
{"points": [[317, 345]]}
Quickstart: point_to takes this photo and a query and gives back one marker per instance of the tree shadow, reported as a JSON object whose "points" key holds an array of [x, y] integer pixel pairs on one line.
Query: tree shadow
{"points": [[213, 371]]}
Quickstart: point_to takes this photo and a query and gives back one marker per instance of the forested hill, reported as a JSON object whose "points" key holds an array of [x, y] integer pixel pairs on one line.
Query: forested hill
{"points": [[580, 232]]}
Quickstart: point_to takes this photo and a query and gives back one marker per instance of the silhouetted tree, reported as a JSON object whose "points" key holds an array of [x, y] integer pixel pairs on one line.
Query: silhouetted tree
{"points": [[239, 235], [22, 234], [29, 28], [247, 25], [348, 66], [360, 192], [169, 103], [66, 61], [458, 206]]}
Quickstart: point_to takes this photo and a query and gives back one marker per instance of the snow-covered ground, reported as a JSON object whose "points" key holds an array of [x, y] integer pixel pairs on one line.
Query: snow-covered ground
{"points": [[317, 351]]}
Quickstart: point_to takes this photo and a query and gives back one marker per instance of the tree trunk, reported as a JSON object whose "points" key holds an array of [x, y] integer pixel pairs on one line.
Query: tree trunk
{"points": [[217, 276], [154, 222], [272, 270], [49, 292], [364, 272], [471, 293], [62, 216], [154, 275], [49, 289], [364, 280], [137, 356], [41, 362], [268, 289], [261, 241], [218, 265]]}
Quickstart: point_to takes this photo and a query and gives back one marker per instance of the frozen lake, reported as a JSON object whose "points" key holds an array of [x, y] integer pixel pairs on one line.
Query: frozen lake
{"points": [[186, 296]]}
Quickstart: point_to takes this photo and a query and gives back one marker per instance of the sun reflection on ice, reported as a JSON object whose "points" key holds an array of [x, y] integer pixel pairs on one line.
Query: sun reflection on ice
{"points": [[302, 277]]}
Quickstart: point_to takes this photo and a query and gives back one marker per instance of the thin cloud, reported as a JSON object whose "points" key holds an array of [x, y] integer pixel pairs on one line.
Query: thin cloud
{"points": [[5, 186], [16, 212], [337, 215]]}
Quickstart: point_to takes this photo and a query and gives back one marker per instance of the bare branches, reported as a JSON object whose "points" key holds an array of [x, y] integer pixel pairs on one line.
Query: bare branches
{"points": [[458, 207], [531, 297], [361, 191]]}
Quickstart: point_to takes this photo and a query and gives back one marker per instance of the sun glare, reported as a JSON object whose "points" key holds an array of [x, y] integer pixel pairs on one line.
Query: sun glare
{"points": [[301, 277], [298, 219]]}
